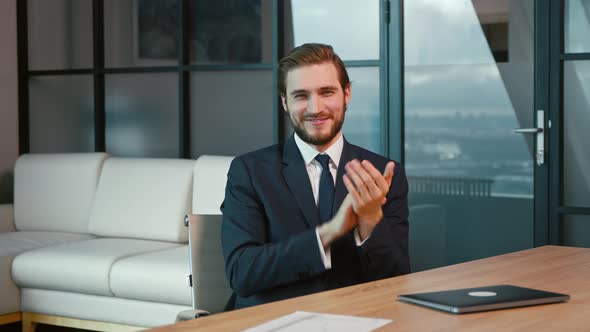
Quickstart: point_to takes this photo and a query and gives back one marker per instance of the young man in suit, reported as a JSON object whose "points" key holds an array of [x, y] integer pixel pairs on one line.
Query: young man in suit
{"points": [[315, 213]]}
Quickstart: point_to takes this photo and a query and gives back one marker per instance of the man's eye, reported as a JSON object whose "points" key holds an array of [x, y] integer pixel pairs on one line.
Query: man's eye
{"points": [[299, 96], [328, 93]]}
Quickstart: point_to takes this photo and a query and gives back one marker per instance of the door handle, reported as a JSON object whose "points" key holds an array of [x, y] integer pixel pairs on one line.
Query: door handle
{"points": [[528, 130], [539, 132]]}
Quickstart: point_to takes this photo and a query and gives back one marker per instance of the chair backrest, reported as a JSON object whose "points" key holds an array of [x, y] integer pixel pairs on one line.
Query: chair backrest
{"points": [[54, 192], [210, 287], [210, 176], [143, 198], [428, 235]]}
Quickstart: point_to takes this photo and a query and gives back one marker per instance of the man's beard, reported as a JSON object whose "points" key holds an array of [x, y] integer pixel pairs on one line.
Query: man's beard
{"points": [[319, 141]]}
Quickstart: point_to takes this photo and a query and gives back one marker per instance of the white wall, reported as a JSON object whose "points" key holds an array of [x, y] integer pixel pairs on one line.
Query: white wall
{"points": [[8, 87]]}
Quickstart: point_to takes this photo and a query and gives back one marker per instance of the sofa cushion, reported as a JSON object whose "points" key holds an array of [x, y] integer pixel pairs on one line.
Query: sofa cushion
{"points": [[145, 276], [209, 183], [11, 244], [81, 267], [143, 198], [54, 192]]}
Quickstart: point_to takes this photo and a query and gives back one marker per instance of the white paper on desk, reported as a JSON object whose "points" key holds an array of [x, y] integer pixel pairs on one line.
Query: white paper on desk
{"points": [[312, 322]]}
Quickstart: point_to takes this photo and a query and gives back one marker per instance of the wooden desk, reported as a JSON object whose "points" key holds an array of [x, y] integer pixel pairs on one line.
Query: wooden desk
{"points": [[551, 268]]}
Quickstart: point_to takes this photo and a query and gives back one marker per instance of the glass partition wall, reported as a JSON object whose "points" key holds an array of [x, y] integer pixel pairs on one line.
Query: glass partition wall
{"points": [[182, 78], [149, 78], [438, 85]]}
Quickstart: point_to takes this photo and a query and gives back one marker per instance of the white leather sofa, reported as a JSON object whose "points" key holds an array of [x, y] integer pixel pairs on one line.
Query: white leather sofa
{"points": [[99, 243]]}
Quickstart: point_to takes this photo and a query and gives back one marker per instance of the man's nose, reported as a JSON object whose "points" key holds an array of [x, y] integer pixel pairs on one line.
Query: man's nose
{"points": [[315, 104]]}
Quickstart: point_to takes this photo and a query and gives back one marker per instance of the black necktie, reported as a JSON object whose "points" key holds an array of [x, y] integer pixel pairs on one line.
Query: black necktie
{"points": [[326, 192]]}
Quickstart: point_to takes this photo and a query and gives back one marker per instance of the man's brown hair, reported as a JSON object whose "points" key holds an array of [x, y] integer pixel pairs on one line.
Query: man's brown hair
{"points": [[310, 54]]}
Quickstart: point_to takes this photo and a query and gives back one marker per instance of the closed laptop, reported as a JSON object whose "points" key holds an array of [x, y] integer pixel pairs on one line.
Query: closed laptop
{"points": [[466, 300]]}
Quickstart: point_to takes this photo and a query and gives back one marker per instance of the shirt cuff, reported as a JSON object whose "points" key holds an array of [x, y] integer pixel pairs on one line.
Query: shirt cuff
{"points": [[326, 258], [357, 238]]}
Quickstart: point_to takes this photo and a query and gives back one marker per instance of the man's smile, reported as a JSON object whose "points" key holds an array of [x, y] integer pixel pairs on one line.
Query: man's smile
{"points": [[318, 121]]}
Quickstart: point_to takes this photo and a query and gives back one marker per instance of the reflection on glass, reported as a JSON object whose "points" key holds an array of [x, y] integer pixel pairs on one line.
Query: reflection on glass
{"points": [[459, 122], [576, 154], [231, 112], [461, 108], [576, 231], [577, 26], [362, 125], [350, 26], [473, 30], [141, 33], [142, 115], [228, 31], [61, 117], [60, 34]]}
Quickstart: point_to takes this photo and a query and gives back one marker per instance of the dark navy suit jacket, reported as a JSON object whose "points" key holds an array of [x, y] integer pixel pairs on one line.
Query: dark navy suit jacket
{"points": [[269, 240]]}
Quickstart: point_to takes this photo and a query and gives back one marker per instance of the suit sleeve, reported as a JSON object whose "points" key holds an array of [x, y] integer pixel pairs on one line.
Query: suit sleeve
{"points": [[385, 253], [252, 263]]}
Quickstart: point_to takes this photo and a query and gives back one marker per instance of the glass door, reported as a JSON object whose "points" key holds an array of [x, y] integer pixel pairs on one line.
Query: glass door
{"points": [[469, 82]]}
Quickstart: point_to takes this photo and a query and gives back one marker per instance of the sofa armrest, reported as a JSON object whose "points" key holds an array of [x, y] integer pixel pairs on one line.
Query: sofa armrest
{"points": [[7, 218]]}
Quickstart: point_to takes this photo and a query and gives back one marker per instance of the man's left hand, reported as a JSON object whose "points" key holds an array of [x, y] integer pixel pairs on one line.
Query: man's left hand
{"points": [[368, 189]]}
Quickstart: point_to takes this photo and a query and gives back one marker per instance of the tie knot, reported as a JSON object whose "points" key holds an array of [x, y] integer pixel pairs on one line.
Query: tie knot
{"points": [[324, 160]]}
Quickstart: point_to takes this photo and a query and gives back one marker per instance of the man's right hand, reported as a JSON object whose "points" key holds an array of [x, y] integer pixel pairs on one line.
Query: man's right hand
{"points": [[343, 222]]}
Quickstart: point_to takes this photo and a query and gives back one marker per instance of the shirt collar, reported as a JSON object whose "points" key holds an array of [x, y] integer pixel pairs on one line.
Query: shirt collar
{"points": [[308, 152]]}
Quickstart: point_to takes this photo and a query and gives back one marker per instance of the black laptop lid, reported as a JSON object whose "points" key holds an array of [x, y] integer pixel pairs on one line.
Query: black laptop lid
{"points": [[483, 298]]}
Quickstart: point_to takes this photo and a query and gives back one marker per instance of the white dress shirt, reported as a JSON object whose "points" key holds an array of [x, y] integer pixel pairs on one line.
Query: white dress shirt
{"points": [[314, 171]]}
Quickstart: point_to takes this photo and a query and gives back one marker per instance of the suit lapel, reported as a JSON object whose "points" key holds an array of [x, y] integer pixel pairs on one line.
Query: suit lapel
{"points": [[348, 154], [295, 174]]}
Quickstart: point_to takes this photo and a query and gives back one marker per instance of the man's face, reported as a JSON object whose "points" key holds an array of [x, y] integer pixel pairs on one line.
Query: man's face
{"points": [[316, 103]]}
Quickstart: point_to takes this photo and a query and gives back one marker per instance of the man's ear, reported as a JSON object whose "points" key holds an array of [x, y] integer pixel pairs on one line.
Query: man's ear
{"points": [[284, 102], [347, 93]]}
